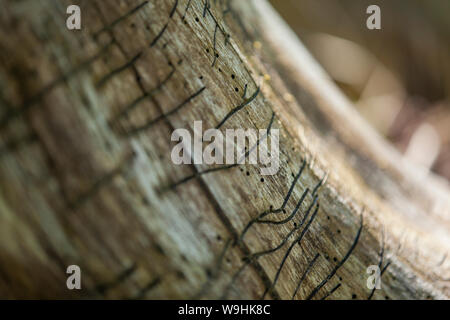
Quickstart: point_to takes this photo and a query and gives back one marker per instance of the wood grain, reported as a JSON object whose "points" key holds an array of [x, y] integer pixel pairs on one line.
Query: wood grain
{"points": [[86, 176]]}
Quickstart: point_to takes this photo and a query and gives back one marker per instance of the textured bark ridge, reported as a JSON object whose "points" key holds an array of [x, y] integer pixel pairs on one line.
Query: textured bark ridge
{"points": [[87, 179]]}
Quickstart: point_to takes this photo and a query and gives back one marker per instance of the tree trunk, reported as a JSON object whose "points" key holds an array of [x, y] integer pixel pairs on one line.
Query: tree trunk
{"points": [[87, 179]]}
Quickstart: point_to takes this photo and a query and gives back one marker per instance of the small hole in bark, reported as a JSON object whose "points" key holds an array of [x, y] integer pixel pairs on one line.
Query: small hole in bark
{"points": [[159, 249]]}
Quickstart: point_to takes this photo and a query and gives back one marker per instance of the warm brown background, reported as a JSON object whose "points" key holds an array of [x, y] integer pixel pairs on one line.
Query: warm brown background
{"points": [[398, 76]]}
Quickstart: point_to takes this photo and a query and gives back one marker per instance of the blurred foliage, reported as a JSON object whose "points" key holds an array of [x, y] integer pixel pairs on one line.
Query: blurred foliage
{"points": [[398, 77]]}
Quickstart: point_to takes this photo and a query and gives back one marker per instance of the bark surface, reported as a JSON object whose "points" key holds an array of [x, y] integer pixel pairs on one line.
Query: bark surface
{"points": [[86, 176]]}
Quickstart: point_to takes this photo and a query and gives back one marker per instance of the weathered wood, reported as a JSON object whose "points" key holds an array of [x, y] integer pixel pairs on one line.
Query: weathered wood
{"points": [[86, 176]]}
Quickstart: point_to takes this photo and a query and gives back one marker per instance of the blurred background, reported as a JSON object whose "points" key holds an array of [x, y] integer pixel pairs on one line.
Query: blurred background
{"points": [[398, 77]]}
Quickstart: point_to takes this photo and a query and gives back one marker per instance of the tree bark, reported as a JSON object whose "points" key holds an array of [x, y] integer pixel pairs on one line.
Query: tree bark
{"points": [[86, 176]]}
